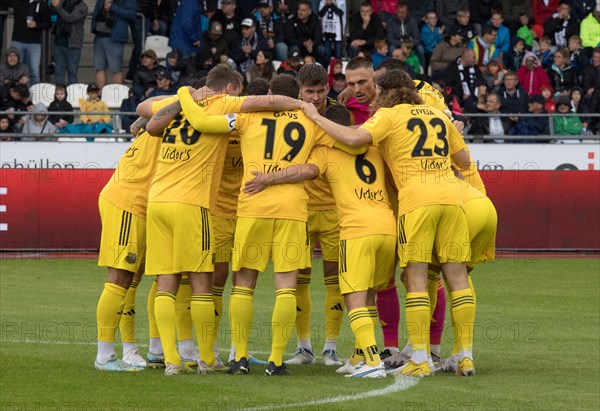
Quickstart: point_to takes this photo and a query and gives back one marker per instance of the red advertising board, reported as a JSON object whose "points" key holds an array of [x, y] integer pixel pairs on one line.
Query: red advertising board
{"points": [[51, 209]]}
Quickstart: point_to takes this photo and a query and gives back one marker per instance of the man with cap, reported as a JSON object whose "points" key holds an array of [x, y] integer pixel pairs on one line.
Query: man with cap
{"points": [[214, 42], [164, 85], [244, 51], [270, 25], [145, 78], [447, 51], [533, 126], [292, 65], [230, 18]]}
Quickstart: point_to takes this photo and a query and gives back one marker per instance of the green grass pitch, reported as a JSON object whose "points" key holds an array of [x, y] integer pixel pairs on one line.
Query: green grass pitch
{"points": [[537, 342]]}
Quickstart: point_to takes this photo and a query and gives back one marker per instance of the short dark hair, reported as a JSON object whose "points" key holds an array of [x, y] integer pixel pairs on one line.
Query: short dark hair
{"points": [[311, 75], [339, 76], [338, 113], [391, 64], [21, 89], [257, 87], [358, 63], [285, 85], [221, 75], [488, 29]]}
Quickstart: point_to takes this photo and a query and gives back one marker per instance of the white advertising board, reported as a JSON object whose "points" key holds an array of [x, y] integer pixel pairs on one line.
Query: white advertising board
{"points": [[105, 155]]}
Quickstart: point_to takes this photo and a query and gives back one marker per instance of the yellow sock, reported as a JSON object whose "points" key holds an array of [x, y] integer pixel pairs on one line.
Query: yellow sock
{"points": [[284, 315], [463, 321], [358, 355], [127, 322], [183, 315], [470, 279], [303, 304], [432, 291], [334, 308], [418, 317], [363, 328], [203, 316], [373, 314], [109, 310], [151, 318], [218, 300], [241, 311], [164, 311]]}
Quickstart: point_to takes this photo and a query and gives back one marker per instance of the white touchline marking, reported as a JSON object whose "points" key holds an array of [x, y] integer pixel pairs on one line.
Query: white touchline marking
{"points": [[401, 384]]}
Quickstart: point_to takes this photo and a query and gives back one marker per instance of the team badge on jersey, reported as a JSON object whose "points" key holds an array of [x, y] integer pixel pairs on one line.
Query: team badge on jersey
{"points": [[131, 258]]}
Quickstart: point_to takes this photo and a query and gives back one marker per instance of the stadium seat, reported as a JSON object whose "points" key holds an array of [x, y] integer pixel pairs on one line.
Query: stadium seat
{"points": [[42, 93], [160, 44], [114, 94], [75, 92], [276, 64]]}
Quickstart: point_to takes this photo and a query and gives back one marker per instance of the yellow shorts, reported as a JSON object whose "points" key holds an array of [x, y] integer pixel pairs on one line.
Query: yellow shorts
{"points": [[482, 221], [123, 238], [439, 230], [286, 241], [180, 239], [224, 229], [323, 225], [366, 262]]}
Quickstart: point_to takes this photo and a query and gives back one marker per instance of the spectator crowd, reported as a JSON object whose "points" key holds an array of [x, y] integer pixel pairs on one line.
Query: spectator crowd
{"points": [[484, 56]]}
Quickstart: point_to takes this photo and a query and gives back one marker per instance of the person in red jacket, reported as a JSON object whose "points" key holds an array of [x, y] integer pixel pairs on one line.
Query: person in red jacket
{"points": [[531, 74], [543, 10]]}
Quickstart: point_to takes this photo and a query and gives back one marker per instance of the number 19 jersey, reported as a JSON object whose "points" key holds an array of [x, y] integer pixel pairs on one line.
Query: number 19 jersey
{"points": [[273, 141], [416, 142]]}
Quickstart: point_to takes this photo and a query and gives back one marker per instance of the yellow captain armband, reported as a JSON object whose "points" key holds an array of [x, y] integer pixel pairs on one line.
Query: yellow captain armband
{"points": [[199, 120]]}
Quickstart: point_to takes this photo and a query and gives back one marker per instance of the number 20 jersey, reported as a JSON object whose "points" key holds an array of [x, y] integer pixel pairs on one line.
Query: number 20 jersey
{"points": [[272, 141], [190, 162], [416, 142]]}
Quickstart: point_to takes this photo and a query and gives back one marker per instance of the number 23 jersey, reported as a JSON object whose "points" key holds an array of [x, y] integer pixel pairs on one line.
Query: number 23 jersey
{"points": [[416, 142], [272, 141]]}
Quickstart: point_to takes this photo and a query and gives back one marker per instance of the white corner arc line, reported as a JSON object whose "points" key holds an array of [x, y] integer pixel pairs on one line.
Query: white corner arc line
{"points": [[401, 384]]}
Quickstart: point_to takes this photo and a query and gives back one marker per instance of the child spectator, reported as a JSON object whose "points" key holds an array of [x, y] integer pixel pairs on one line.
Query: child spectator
{"points": [[579, 60], [545, 52], [525, 31], [18, 101], [381, 51], [91, 123], [60, 103], [561, 26], [531, 74], [495, 74], [339, 84], [503, 37], [309, 59], [514, 57], [411, 58], [548, 93], [580, 106], [566, 125], [431, 35], [4, 127], [38, 122], [332, 22], [335, 67], [464, 26]]}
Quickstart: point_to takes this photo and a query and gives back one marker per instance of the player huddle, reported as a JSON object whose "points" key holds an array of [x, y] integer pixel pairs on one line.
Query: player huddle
{"points": [[218, 179]]}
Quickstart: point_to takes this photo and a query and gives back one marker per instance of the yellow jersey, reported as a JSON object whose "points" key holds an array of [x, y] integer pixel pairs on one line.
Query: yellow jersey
{"points": [[191, 162], [416, 142], [129, 184], [272, 141], [358, 185], [319, 194], [225, 195]]}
